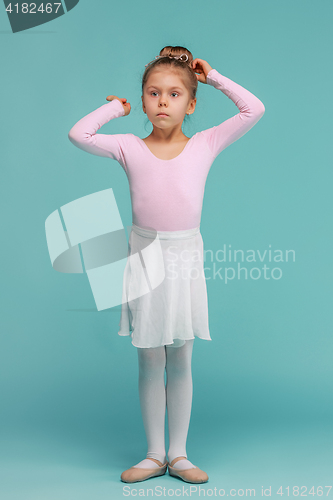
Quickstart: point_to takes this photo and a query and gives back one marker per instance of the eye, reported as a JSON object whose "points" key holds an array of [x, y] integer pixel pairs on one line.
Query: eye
{"points": [[175, 93], [151, 93]]}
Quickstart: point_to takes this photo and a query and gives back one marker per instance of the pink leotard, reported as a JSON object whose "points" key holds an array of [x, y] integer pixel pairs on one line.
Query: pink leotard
{"points": [[167, 195]]}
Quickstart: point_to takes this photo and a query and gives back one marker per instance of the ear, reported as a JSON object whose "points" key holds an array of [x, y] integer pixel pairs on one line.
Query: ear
{"points": [[191, 106], [143, 105]]}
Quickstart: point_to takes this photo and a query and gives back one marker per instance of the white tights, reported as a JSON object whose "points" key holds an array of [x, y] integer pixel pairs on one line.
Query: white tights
{"points": [[155, 396]]}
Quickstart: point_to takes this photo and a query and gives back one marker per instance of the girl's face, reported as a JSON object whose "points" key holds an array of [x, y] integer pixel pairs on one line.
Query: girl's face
{"points": [[165, 92]]}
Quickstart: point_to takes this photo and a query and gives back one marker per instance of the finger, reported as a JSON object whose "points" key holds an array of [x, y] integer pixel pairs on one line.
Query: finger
{"points": [[197, 61], [198, 67]]}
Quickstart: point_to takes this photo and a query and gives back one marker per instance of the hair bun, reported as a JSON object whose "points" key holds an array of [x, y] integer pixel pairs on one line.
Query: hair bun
{"points": [[176, 51]]}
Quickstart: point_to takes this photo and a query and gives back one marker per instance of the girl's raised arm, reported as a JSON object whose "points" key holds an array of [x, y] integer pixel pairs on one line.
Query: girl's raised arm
{"points": [[250, 107], [83, 134]]}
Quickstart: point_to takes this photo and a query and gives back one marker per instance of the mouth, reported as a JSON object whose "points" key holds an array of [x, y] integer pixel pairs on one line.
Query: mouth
{"points": [[162, 114]]}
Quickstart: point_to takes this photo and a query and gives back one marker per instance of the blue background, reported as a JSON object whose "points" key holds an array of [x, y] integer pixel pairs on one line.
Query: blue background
{"points": [[262, 402]]}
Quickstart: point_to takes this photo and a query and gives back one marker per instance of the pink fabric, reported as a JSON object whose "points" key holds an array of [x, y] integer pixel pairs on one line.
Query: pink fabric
{"points": [[167, 195]]}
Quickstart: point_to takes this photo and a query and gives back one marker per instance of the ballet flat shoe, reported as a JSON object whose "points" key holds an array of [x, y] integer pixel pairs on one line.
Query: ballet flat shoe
{"points": [[135, 474], [189, 475]]}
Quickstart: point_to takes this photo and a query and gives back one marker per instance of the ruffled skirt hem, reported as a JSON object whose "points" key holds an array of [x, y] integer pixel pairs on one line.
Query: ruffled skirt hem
{"points": [[179, 341]]}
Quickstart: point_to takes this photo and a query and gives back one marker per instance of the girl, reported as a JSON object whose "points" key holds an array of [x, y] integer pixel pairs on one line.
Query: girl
{"points": [[167, 172]]}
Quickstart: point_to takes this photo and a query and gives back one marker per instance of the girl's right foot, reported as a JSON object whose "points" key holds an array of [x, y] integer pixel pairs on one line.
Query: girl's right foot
{"points": [[147, 468]]}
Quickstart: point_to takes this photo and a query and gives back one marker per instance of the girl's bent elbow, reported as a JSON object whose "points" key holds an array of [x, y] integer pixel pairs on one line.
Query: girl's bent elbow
{"points": [[71, 136]]}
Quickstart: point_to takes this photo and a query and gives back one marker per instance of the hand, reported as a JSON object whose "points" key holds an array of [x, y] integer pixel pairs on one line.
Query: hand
{"points": [[126, 105], [203, 68]]}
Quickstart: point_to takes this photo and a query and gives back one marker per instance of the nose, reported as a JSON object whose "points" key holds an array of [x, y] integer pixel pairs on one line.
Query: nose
{"points": [[163, 101]]}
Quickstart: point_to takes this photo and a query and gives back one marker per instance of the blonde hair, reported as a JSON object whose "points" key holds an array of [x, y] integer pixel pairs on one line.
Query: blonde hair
{"points": [[184, 68]]}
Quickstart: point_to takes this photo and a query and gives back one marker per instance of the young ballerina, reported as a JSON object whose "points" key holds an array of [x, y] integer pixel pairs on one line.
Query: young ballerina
{"points": [[167, 172]]}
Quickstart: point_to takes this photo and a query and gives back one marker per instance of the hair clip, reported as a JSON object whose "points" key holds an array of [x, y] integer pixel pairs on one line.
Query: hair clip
{"points": [[180, 58]]}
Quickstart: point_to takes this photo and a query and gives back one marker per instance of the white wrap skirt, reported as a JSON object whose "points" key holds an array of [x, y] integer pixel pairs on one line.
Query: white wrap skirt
{"points": [[164, 296]]}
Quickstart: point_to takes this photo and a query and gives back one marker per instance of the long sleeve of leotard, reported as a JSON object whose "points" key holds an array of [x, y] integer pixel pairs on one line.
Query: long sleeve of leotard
{"points": [[250, 107], [83, 133]]}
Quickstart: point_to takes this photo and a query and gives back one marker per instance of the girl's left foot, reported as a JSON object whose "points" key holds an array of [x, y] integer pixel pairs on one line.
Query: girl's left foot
{"points": [[186, 471]]}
